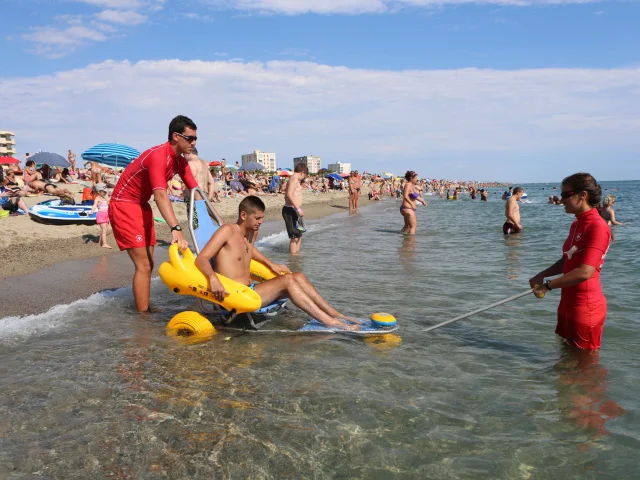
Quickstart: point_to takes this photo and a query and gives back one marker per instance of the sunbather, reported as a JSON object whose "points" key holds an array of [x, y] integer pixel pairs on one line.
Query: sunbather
{"points": [[52, 189], [232, 245]]}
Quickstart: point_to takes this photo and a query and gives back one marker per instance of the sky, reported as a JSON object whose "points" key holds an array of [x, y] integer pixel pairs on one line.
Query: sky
{"points": [[509, 90]]}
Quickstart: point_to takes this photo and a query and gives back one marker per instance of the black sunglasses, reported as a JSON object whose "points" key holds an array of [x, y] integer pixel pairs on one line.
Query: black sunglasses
{"points": [[189, 138], [565, 195]]}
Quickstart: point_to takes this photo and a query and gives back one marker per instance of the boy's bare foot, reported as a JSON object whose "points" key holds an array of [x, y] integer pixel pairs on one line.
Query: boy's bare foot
{"points": [[106, 246]]}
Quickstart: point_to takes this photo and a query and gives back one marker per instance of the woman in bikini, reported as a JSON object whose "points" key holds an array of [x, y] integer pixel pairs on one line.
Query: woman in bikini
{"points": [[410, 196]]}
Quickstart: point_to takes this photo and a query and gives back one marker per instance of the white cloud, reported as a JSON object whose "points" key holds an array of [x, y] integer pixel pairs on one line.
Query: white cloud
{"points": [[119, 4], [367, 116], [124, 17], [353, 7], [198, 16]]}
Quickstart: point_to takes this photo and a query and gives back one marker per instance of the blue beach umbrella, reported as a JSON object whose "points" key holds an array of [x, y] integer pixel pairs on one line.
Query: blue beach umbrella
{"points": [[335, 176], [252, 166], [51, 159], [111, 154]]}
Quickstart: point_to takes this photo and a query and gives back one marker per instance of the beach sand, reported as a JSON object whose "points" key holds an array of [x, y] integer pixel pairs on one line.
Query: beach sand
{"points": [[27, 247]]}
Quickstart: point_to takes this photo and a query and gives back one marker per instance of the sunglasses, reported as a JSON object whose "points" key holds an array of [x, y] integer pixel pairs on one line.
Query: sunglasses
{"points": [[188, 138], [565, 195]]}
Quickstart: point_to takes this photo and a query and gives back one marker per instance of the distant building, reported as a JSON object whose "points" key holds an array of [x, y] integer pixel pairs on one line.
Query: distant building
{"points": [[7, 144], [339, 167], [268, 160], [312, 162]]}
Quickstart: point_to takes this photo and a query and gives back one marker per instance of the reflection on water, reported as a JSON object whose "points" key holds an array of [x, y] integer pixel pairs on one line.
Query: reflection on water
{"points": [[95, 391], [582, 394]]}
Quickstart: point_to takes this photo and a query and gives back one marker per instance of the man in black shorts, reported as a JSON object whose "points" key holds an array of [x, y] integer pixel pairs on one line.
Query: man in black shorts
{"points": [[292, 210]]}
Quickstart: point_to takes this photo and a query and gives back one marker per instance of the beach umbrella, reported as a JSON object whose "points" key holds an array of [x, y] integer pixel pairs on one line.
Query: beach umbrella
{"points": [[51, 159], [215, 164], [335, 176], [345, 175], [284, 173], [252, 166], [111, 154], [9, 161], [287, 169]]}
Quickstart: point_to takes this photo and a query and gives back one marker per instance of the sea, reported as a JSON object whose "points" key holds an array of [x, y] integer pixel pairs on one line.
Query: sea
{"points": [[91, 390]]}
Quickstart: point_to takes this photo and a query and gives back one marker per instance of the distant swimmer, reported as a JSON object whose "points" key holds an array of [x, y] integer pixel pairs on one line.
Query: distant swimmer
{"points": [[583, 307], [607, 212], [484, 195], [512, 212], [410, 196]]}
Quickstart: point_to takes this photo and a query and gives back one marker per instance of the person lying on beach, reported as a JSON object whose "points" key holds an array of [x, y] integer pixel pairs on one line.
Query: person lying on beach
{"points": [[51, 189], [233, 247]]}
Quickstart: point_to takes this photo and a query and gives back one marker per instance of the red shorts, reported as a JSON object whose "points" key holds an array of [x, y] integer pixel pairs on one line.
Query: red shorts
{"points": [[581, 325], [132, 224]]}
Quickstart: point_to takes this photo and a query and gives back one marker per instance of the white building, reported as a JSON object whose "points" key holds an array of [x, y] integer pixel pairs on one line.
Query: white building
{"points": [[268, 160], [312, 162], [339, 167], [7, 144]]}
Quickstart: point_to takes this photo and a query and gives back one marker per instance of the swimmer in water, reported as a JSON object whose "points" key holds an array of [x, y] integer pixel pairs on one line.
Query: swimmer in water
{"points": [[512, 212], [410, 196]]}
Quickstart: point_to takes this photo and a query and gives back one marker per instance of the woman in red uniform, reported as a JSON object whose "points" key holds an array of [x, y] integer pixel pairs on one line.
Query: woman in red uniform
{"points": [[583, 307]]}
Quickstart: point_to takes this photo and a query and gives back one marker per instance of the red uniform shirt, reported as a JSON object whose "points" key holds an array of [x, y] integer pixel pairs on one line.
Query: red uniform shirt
{"points": [[588, 242], [149, 172]]}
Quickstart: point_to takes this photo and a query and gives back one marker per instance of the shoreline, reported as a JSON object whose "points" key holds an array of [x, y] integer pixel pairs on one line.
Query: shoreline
{"points": [[74, 267]]}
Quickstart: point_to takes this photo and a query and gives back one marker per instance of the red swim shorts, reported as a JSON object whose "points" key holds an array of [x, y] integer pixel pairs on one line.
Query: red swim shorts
{"points": [[581, 325], [132, 224]]}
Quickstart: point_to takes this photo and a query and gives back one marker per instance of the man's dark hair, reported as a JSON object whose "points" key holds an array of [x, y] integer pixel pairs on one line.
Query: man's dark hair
{"points": [[301, 168], [251, 204], [178, 125], [29, 163], [517, 190]]}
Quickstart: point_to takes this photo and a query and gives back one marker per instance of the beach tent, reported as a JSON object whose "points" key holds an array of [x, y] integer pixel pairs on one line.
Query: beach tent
{"points": [[284, 173], [111, 154], [215, 164], [51, 159]]}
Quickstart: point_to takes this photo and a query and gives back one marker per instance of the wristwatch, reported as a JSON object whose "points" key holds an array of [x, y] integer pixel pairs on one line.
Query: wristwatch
{"points": [[178, 228], [547, 284]]}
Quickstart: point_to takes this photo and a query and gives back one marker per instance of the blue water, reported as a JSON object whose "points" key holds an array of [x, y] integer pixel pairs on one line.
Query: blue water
{"points": [[90, 390]]}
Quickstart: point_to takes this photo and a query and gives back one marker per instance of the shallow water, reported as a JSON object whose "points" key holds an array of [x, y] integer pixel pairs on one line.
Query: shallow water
{"points": [[91, 390]]}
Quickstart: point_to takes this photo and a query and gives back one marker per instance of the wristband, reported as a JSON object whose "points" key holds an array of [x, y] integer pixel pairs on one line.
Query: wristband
{"points": [[547, 284]]}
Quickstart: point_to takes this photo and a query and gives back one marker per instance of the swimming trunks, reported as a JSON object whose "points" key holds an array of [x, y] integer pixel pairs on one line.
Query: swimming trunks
{"points": [[132, 224], [582, 325], [290, 215], [509, 228]]}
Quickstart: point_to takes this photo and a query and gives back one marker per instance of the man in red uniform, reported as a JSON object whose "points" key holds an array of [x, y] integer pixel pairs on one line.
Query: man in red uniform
{"points": [[130, 214], [583, 307]]}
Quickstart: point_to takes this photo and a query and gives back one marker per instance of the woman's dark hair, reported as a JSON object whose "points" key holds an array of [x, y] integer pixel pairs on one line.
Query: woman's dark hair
{"points": [[178, 125], [583, 182], [409, 175], [65, 172]]}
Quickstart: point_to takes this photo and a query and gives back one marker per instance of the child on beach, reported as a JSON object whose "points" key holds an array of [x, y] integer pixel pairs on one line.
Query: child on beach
{"points": [[101, 204]]}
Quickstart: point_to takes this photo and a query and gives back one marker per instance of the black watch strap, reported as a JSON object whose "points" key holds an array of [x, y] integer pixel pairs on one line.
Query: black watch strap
{"points": [[547, 284], [177, 228]]}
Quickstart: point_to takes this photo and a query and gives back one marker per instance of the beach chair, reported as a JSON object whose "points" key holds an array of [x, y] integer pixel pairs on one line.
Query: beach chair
{"points": [[273, 186], [203, 222]]}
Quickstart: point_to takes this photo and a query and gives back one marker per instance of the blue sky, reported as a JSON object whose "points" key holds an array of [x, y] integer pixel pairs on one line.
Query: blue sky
{"points": [[508, 89]]}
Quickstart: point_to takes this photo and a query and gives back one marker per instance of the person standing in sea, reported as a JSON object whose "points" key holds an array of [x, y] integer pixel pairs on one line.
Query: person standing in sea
{"points": [[410, 195], [130, 214], [583, 307], [512, 212], [292, 210]]}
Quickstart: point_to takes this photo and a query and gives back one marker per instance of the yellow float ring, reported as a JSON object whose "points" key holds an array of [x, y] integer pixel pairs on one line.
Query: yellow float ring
{"points": [[383, 319], [190, 327], [383, 343]]}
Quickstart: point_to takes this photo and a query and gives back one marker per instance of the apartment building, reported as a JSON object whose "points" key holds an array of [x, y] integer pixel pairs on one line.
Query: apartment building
{"points": [[7, 144], [268, 160], [339, 167], [312, 162]]}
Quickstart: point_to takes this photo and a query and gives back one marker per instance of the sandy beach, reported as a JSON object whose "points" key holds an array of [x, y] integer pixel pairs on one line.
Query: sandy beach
{"points": [[28, 246]]}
